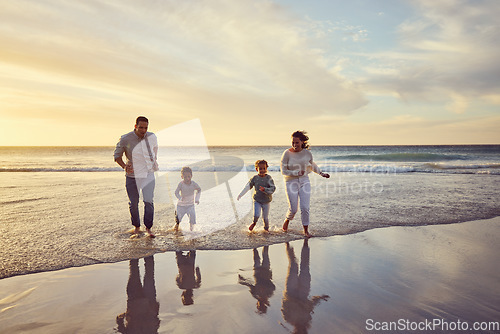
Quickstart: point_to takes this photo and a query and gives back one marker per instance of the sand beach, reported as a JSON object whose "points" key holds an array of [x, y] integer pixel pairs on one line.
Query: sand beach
{"points": [[399, 276]]}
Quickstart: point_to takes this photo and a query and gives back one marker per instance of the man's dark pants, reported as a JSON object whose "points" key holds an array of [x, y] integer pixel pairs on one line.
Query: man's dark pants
{"points": [[147, 185]]}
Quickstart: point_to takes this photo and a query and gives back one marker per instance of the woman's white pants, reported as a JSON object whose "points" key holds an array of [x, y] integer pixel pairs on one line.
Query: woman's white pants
{"points": [[298, 190]]}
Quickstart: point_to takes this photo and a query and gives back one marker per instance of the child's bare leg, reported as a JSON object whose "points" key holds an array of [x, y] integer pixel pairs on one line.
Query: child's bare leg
{"points": [[192, 218], [265, 215], [255, 220]]}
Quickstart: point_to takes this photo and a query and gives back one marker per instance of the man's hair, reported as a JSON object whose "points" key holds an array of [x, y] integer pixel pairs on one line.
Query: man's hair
{"points": [[261, 162], [141, 119], [185, 170]]}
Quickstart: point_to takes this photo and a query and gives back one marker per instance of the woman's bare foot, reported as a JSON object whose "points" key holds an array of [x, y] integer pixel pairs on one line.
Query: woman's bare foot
{"points": [[250, 228], [151, 235], [285, 225]]}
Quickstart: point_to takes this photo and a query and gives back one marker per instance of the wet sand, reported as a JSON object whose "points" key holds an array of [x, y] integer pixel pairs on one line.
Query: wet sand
{"points": [[324, 285]]}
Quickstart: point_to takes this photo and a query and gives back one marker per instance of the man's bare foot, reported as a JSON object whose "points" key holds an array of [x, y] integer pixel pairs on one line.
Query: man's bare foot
{"points": [[306, 232], [150, 234], [250, 228], [285, 225], [266, 229], [135, 230], [191, 227]]}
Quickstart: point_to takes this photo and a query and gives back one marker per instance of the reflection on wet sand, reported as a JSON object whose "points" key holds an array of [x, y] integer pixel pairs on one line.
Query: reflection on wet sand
{"points": [[444, 272], [141, 316], [263, 288], [189, 278], [297, 308]]}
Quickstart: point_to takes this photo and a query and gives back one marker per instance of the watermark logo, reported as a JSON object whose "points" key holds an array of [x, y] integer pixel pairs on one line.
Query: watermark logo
{"points": [[437, 324], [184, 144]]}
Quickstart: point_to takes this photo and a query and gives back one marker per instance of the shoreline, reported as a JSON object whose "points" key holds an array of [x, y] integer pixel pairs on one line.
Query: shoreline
{"points": [[293, 234], [323, 284]]}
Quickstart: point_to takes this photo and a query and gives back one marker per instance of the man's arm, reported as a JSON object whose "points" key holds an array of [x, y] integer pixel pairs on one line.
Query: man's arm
{"points": [[127, 166], [120, 161], [118, 154]]}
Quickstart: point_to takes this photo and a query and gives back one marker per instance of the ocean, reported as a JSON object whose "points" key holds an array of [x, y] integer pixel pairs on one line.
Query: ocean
{"points": [[450, 159], [67, 206]]}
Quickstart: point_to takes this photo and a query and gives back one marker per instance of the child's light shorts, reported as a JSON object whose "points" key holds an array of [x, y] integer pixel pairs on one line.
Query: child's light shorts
{"points": [[186, 209]]}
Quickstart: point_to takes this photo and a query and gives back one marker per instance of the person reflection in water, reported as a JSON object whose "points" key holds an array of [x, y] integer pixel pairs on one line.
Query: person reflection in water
{"points": [[141, 316], [297, 308], [263, 288], [189, 278]]}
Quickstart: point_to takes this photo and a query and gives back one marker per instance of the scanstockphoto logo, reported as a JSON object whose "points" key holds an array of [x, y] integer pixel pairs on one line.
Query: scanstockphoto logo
{"points": [[184, 144]]}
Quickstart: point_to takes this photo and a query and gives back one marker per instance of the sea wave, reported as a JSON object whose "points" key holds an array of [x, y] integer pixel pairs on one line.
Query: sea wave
{"points": [[59, 169], [470, 166], [432, 167], [399, 157]]}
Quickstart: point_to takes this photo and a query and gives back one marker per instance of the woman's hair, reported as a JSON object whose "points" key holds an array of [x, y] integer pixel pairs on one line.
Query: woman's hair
{"points": [[185, 170], [261, 162], [302, 135]]}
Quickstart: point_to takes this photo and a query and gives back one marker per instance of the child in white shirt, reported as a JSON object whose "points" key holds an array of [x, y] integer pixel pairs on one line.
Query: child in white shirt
{"points": [[185, 193]]}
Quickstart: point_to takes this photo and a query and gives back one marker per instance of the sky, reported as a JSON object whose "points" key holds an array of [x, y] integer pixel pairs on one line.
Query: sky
{"points": [[359, 72]]}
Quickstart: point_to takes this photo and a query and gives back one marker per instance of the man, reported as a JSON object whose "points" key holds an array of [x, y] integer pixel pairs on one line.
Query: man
{"points": [[141, 149]]}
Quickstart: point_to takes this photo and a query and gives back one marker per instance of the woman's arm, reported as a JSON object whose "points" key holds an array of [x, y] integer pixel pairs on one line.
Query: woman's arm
{"points": [[315, 168], [284, 163]]}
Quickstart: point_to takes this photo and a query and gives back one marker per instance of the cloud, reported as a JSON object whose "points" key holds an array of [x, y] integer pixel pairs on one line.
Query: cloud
{"points": [[459, 104], [180, 56], [448, 51], [407, 129]]}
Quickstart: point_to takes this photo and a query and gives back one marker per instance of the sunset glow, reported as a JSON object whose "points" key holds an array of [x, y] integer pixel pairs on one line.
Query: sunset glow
{"points": [[358, 73]]}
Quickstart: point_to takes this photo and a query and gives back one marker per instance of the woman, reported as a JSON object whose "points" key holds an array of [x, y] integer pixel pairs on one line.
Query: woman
{"points": [[296, 163]]}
